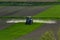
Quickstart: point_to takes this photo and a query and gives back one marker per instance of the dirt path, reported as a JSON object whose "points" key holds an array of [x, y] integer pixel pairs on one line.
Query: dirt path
{"points": [[31, 11], [35, 35], [23, 11], [3, 24]]}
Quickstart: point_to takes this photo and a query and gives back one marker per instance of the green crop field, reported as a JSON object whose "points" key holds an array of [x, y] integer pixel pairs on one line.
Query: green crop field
{"points": [[17, 30], [58, 0], [54, 11]]}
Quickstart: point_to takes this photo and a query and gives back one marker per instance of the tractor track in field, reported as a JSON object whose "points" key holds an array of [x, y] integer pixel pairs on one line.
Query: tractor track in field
{"points": [[35, 35], [4, 11], [31, 11]]}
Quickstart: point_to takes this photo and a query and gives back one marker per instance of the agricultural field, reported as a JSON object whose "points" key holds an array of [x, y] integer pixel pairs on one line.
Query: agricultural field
{"points": [[49, 35], [58, 33], [50, 12], [18, 30], [31, 0], [58, 0], [17, 11]]}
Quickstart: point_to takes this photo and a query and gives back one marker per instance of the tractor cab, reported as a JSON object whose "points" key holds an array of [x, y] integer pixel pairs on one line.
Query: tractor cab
{"points": [[29, 20]]}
